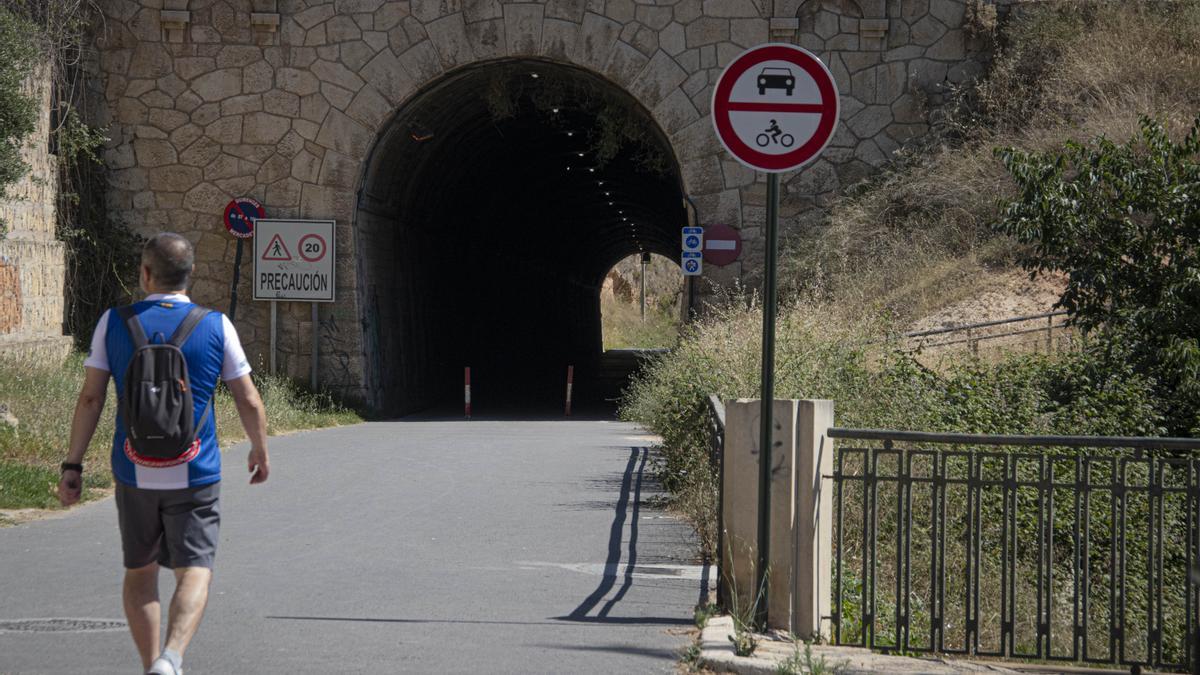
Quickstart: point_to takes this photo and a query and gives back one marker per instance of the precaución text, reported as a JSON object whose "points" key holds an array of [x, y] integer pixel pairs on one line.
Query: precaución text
{"points": [[293, 281]]}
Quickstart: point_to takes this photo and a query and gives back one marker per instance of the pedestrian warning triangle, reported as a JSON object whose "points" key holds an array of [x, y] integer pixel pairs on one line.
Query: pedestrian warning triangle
{"points": [[276, 250]]}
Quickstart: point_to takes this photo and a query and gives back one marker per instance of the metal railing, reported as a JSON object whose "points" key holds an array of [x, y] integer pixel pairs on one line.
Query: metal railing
{"points": [[974, 339], [716, 463], [716, 432], [1039, 547]]}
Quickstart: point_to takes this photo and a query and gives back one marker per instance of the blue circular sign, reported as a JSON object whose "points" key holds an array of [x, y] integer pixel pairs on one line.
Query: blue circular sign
{"points": [[240, 216], [691, 265], [693, 241]]}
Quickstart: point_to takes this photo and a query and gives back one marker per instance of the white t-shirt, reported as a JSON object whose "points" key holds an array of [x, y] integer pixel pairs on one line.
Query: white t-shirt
{"points": [[234, 364]]}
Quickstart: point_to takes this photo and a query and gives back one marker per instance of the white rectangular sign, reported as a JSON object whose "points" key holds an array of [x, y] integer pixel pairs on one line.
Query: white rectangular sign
{"points": [[294, 260], [692, 264], [693, 239]]}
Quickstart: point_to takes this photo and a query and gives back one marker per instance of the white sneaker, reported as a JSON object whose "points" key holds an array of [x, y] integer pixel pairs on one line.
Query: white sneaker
{"points": [[162, 666]]}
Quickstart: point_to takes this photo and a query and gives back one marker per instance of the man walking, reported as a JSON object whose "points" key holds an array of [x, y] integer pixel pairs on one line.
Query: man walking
{"points": [[169, 512]]}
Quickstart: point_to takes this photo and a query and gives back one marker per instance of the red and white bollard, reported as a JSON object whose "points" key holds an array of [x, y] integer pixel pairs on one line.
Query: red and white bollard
{"points": [[570, 384], [467, 391]]}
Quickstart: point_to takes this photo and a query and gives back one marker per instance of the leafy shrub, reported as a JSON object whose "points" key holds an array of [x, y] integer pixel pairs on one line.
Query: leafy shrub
{"points": [[18, 110], [1091, 389], [1123, 223]]}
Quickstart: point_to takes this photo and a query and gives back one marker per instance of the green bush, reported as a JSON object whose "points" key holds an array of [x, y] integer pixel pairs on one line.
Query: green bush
{"points": [[1122, 222], [18, 110], [1092, 389]]}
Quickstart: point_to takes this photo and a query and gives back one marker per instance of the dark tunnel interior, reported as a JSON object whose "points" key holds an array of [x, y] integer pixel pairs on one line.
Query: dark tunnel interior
{"points": [[486, 223]]}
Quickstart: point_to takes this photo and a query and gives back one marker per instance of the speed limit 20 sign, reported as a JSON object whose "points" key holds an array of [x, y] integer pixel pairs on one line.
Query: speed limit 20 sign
{"points": [[294, 260], [775, 107]]}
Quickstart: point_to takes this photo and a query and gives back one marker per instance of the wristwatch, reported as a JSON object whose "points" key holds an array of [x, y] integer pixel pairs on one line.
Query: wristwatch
{"points": [[68, 466]]}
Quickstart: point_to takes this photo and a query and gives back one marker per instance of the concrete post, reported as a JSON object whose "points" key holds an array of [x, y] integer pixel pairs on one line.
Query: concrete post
{"points": [[783, 515], [740, 509], [739, 518], [814, 520]]}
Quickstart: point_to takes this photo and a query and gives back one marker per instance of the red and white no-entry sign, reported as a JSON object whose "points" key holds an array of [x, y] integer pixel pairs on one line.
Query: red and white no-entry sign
{"points": [[722, 244], [775, 107]]}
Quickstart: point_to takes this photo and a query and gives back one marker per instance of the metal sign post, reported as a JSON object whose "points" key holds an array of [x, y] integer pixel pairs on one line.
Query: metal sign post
{"points": [[766, 441], [645, 262], [240, 216], [316, 344], [237, 276], [775, 108], [274, 323]]}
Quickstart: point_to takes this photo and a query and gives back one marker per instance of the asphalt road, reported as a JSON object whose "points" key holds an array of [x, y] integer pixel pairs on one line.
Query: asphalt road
{"points": [[412, 546]]}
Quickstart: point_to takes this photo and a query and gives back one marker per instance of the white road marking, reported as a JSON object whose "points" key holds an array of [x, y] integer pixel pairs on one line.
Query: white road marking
{"points": [[683, 572]]}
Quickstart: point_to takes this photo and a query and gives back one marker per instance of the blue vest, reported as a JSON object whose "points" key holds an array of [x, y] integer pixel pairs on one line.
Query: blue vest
{"points": [[205, 353]]}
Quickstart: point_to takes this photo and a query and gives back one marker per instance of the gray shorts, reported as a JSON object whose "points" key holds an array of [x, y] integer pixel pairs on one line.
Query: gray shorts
{"points": [[177, 528]]}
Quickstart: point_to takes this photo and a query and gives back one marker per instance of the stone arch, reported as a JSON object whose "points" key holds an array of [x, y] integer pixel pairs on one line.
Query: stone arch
{"points": [[449, 234], [282, 101]]}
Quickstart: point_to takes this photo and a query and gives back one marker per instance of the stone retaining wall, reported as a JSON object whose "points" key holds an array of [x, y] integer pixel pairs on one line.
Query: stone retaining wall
{"points": [[32, 263], [283, 100]]}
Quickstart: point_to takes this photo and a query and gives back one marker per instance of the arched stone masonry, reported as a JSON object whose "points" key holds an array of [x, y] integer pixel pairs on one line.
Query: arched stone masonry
{"points": [[281, 100]]}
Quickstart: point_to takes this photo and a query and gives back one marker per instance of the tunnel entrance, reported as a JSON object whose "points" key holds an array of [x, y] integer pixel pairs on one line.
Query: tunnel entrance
{"points": [[493, 205], [642, 303]]}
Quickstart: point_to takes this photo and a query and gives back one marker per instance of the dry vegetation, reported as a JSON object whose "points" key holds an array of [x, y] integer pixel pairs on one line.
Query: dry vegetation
{"points": [[42, 397], [917, 238], [620, 304]]}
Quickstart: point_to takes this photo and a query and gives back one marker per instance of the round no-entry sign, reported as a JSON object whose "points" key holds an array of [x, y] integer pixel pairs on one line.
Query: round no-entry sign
{"points": [[722, 244], [775, 107]]}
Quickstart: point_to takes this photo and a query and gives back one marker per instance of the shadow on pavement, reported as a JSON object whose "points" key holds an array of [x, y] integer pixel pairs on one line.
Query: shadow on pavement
{"points": [[364, 619], [631, 494]]}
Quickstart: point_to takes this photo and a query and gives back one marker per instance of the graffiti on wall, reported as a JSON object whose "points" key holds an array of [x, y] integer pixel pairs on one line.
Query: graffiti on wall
{"points": [[10, 297]]}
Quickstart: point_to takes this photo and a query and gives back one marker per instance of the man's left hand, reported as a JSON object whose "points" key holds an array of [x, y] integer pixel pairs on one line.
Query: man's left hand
{"points": [[260, 467], [70, 487]]}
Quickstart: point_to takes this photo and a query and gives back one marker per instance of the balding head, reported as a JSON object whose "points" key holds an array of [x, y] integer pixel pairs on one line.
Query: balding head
{"points": [[168, 259]]}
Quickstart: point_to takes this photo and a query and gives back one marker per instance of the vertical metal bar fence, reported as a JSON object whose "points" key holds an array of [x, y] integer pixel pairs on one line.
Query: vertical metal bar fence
{"points": [[1055, 548]]}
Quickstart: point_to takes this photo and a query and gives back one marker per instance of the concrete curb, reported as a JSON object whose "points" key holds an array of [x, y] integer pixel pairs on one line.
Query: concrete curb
{"points": [[716, 653]]}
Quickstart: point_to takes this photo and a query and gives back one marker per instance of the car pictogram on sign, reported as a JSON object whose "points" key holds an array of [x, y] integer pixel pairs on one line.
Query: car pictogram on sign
{"points": [[776, 78]]}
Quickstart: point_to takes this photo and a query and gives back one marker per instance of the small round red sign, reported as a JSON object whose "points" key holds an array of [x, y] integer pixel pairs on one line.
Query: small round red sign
{"points": [[722, 245]]}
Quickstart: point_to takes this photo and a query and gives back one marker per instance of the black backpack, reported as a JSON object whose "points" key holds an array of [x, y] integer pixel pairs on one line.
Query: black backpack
{"points": [[156, 401]]}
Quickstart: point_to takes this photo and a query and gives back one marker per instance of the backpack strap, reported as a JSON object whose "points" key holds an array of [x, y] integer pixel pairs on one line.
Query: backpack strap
{"points": [[208, 408], [134, 325], [194, 316], [193, 319]]}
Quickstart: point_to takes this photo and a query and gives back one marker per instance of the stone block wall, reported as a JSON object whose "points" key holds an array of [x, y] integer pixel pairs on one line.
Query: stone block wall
{"points": [[284, 100], [32, 263]]}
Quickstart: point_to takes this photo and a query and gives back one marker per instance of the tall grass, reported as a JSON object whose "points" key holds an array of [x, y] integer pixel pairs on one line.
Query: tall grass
{"points": [[42, 396], [821, 353], [624, 328], [620, 304]]}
